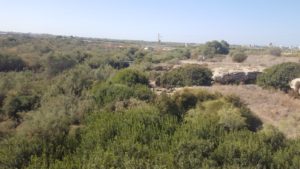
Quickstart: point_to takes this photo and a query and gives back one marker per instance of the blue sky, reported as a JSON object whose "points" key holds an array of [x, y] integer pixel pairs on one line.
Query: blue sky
{"points": [[237, 21]]}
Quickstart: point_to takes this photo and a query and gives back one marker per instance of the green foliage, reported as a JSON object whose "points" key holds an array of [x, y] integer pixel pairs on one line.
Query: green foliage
{"points": [[11, 63], [136, 138], [231, 118], [214, 48], [188, 75], [130, 77], [214, 133], [289, 156], [57, 64], [118, 64], [107, 93], [279, 76], [244, 149], [239, 57], [58, 125], [15, 104], [166, 105]]}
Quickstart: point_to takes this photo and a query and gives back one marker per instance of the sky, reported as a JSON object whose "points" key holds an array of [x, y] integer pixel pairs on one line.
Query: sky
{"points": [[236, 21]]}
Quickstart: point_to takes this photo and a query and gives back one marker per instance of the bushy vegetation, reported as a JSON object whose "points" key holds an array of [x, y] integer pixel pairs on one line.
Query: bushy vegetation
{"points": [[239, 56], [188, 75], [146, 136], [130, 77], [95, 113], [11, 63], [279, 76], [214, 48], [57, 64]]}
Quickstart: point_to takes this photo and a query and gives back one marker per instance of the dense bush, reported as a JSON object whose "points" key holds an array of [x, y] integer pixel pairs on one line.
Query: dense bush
{"points": [[213, 133], [275, 51], [214, 48], [57, 64], [118, 64], [15, 104], [239, 57], [130, 77], [11, 63], [130, 127], [279, 76], [188, 75], [107, 93]]}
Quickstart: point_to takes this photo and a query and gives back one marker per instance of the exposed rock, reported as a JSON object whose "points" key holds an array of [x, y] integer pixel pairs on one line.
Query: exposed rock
{"points": [[295, 85], [236, 75]]}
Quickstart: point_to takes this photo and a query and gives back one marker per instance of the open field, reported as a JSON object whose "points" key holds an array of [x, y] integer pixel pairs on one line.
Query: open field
{"points": [[261, 61]]}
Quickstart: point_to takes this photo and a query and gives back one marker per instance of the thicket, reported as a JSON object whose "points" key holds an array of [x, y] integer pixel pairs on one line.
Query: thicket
{"points": [[279, 76], [11, 63], [189, 75], [214, 132], [57, 64], [239, 56], [93, 114], [214, 48]]}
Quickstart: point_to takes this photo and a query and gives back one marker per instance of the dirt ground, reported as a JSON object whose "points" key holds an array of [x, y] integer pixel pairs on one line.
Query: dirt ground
{"points": [[263, 61], [272, 107]]}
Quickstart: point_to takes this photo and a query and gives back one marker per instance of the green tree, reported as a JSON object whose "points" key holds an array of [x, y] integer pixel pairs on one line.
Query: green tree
{"points": [[213, 48]]}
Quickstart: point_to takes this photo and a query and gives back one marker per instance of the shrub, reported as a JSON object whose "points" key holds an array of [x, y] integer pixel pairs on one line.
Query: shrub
{"points": [[14, 104], [130, 77], [275, 51], [59, 63], [279, 76], [118, 64], [188, 75], [106, 93], [186, 99], [214, 48], [109, 93], [231, 118], [136, 138], [75, 81], [244, 149], [11, 63], [166, 105], [239, 57]]}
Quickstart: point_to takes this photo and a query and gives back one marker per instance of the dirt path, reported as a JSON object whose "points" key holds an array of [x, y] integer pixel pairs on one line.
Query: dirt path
{"points": [[273, 107]]}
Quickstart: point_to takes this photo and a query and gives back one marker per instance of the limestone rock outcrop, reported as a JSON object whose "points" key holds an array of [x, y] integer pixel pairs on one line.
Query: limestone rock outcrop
{"points": [[295, 85], [236, 75]]}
